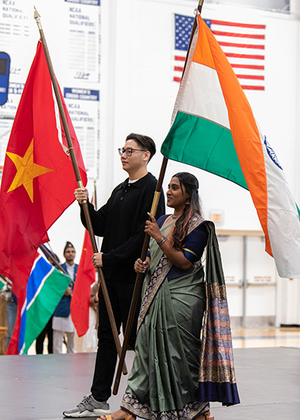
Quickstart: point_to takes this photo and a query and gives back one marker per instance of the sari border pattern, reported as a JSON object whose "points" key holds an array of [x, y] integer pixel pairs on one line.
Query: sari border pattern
{"points": [[188, 412]]}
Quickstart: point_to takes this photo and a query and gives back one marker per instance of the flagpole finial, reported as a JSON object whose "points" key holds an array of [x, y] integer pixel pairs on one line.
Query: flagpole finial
{"points": [[200, 4], [37, 18]]}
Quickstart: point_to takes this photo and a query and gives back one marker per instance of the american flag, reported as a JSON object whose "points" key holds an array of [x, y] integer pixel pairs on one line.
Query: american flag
{"points": [[242, 43]]}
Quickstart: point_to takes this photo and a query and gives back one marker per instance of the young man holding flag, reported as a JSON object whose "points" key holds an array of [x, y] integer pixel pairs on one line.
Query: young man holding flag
{"points": [[121, 223]]}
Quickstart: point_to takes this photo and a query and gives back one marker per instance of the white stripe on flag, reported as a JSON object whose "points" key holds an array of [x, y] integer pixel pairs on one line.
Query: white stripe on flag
{"points": [[203, 96], [283, 219]]}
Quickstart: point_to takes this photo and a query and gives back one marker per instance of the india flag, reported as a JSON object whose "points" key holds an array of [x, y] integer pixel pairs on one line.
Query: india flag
{"points": [[213, 128]]}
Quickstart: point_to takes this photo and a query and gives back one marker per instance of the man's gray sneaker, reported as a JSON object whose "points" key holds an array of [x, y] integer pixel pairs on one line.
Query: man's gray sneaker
{"points": [[89, 407]]}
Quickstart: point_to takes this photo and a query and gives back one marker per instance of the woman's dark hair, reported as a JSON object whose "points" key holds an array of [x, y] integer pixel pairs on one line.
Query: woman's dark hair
{"points": [[192, 207], [144, 141]]}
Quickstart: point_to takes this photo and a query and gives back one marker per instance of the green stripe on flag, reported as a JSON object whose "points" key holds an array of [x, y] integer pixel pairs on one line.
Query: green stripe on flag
{"points": [[204, 144], [298, 210], [42, 307], [2, 283]]}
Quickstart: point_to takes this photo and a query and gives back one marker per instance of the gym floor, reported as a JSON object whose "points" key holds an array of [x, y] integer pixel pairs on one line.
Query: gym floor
{"points": [[267, 364]]}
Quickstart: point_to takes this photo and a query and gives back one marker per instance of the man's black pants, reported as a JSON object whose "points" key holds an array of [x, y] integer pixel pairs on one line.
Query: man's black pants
{"points": [[120, 294]]}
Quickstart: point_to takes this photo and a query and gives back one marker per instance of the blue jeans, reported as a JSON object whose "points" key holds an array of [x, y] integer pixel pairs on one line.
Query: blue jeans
{"points": [[11, 315]]}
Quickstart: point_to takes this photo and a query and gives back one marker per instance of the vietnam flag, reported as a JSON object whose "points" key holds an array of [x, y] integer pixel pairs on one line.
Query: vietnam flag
{"points": [[85, 277], [213, 128], [38, 181]]}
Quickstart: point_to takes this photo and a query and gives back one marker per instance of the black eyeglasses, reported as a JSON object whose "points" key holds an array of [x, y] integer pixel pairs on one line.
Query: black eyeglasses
{"points": [[129, 150]]}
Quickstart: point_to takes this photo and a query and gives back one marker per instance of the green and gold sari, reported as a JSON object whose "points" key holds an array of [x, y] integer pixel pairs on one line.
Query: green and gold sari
{"points": [[164, 380]]}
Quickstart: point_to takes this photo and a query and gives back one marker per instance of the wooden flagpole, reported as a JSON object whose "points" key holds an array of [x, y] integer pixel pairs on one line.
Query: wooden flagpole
{"points": [[96, 206], [6, 280], [80, 185], [95, 194], [139, 277], [199, 8], [97, 239], [139, 280], [54, 258]]}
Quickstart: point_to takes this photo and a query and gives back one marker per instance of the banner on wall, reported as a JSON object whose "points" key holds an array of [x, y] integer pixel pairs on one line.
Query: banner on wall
{"points": [[76, 62]]}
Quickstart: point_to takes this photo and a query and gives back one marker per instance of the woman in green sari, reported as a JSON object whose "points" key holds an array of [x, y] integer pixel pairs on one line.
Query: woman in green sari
{"points": [[164, 381]]}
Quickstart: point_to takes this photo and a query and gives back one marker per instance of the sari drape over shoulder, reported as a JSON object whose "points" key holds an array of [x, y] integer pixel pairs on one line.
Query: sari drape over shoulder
{"points": [[167, 380], [217, 380]]}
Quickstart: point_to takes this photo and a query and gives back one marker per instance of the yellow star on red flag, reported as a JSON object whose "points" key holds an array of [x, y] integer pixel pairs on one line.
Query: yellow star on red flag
{"points": [[38, 179], [27, 170]]}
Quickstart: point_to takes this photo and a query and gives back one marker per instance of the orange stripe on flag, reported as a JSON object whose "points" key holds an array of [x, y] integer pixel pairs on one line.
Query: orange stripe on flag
{"points": [[244, 130], [202, 55]]}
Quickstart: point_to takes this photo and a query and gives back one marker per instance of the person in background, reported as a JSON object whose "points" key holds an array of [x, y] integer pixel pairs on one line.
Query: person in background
{"points": [[48, 330], [121, 223], [88, 342], [62, 323], [11, 308]]}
